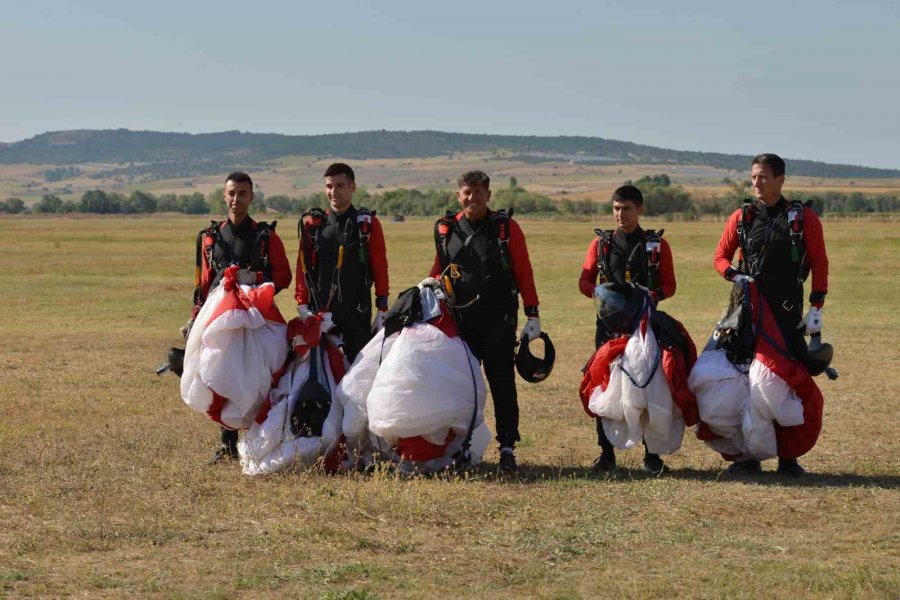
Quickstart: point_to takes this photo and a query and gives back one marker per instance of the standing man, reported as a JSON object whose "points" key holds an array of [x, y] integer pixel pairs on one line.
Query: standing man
{"points": [[341, 255], [780, 243], [483, 252], [629, 254], [239, 240]]}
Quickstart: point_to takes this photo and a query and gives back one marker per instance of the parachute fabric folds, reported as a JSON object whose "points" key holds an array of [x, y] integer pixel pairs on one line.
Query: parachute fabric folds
{"points": [[236, 344], [772, 409], [631, 413], [270, 444], [425, 364], [412, 392]]}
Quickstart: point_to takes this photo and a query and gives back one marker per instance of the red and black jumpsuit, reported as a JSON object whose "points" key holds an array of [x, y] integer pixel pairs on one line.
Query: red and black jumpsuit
{"points": [[627, 252], [351, 301], [775, 264], [244, 246], [487, 297]]}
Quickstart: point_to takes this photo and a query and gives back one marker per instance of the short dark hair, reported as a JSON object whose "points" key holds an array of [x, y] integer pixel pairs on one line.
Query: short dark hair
{"points": [[239, 177], [473, 178], [340, 169], [775, 162], [628, 193]]}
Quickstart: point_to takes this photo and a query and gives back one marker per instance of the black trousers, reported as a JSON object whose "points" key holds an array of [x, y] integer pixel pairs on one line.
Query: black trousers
{"points": [[493, 342], [356, 330]]}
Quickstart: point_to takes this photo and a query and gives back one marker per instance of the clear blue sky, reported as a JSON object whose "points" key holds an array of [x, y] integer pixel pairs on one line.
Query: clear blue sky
{"points": [[816, 80]]}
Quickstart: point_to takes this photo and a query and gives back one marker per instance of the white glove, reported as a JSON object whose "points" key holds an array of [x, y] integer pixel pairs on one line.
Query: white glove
{"points": [[532, 329], [378, 324], [304, 313], [245, 277], [813, 320], [327, 323], [430, 282], [741, 277]]}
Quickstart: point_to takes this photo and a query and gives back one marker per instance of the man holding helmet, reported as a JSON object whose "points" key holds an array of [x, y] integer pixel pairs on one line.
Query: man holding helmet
{"points": [[482, 255]]}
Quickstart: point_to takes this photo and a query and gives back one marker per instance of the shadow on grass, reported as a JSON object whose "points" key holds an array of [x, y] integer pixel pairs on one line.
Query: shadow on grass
{"points": [[532, 474]]}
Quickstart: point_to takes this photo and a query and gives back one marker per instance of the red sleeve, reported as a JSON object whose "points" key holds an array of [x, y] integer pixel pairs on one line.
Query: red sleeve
{"points": [[435, 267], [378, 259], [521, 265], [281, 268], [666, 287], [728, 244], [588, 280], [814, 240], [301, 292]]}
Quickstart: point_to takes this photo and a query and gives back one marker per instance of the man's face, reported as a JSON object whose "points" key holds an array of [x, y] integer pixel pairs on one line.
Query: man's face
{"points": [[766, 187], [474, 201], [627, 214], [238, 197], [339, 190]]}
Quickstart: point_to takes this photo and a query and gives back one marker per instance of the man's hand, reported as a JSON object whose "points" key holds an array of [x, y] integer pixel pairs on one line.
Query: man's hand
{"points": [[813, 320], [304, 313], [186, 328], [532, 329], [245, 277], [378, 324], [740, 277]]}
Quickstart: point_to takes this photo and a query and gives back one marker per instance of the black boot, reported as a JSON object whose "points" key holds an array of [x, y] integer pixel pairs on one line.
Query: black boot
{"points": [[653, 464], [744, 468], [606, 462], [790, 467], [508, 461], [228, 449]]}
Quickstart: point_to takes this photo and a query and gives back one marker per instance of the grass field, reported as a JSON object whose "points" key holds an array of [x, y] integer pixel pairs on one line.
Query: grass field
{"points": [[104, 490]]}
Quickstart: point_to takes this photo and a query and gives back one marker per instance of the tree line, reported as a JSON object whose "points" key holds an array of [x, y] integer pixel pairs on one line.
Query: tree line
{"points": [[661, 197]]}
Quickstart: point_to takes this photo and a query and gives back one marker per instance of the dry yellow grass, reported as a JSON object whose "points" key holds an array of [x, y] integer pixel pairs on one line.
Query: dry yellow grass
{"points": [[104, 490]]}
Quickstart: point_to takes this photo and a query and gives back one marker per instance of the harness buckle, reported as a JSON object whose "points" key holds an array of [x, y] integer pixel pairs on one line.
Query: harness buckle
{"points": [[454, 271]]}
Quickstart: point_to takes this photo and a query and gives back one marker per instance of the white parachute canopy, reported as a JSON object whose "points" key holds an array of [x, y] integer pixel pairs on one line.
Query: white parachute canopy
{"points": [[239, 339], [742, 406], [421, 382], [273, 444], [637, 403]]}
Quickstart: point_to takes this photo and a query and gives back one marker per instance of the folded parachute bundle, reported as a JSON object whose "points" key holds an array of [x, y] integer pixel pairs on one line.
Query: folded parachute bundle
{"points": [[637, 383], [300, 423], [415, 394], [755, 400], [236, 344]]}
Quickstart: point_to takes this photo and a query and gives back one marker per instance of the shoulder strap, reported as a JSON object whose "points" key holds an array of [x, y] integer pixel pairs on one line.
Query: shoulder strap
{"points": [[260, 256], [604, 247], [653, 247], [364, 225], [213, 232], [500, 220], [795, 227], [748, 212], [442, 229]]}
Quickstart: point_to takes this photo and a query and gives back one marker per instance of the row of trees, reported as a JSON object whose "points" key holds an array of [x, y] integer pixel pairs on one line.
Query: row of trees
{"points": [[661, 197]]}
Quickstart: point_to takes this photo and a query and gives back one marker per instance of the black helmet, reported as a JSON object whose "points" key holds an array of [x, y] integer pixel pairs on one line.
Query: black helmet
{"points": [[534, 370], [175, 360], [818, 356], [618, 306]]}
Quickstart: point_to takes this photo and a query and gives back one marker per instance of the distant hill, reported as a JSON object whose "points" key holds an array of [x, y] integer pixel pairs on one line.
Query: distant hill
{"points": [[184, 154]]}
